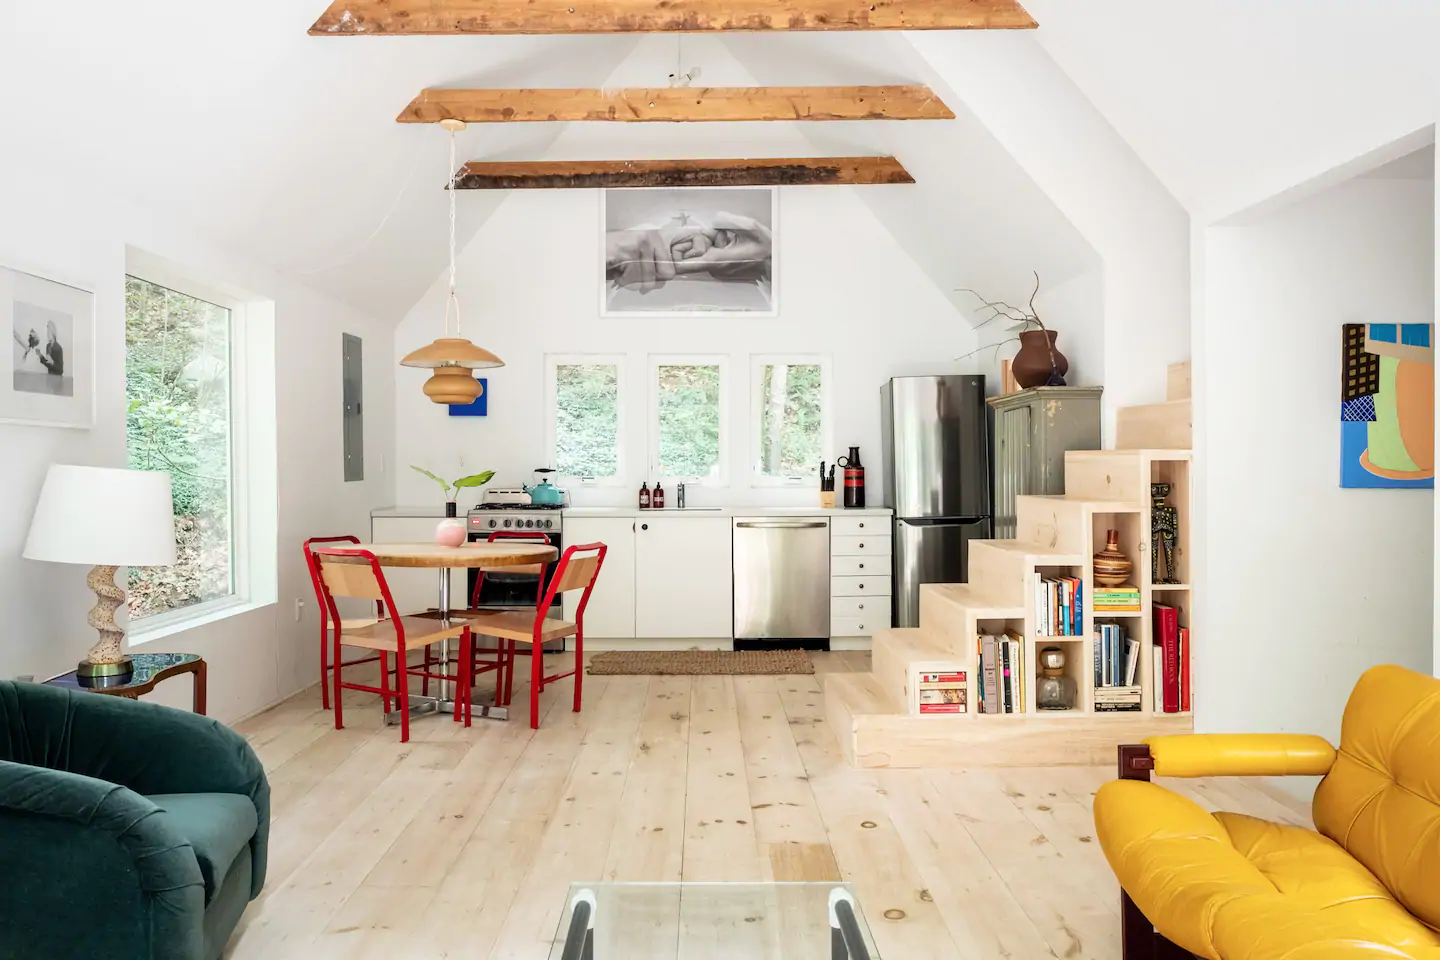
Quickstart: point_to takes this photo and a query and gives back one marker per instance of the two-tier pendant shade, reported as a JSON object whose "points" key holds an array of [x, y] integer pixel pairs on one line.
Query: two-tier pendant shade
{"points": [[452, 358]]}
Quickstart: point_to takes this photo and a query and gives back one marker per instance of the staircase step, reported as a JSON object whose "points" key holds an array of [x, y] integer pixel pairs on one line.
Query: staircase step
{"points": [[1177, 381], [894, 650], [1062, 523], [1158, 426], [943, 604], [874, 733], [1107, 475]]}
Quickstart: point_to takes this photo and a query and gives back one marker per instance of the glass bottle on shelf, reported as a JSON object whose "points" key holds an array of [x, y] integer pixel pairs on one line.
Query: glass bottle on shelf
{"points": [[1054, 690]]}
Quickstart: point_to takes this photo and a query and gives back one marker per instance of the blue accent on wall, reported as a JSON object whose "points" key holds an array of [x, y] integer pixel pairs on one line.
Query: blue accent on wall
{"points": [[476, 409], [1415, 334]]}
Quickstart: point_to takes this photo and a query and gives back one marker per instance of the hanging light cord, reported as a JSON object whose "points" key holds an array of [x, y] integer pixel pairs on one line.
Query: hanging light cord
{"points": [[453, 299]]}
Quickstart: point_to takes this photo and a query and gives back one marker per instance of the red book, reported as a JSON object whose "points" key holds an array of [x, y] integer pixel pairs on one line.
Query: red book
{"points": [[1167, 635], [1184, 668]]}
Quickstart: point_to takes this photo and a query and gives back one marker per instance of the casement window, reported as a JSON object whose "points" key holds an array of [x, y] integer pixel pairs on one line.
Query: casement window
{"points": [[790, 421], [688, 403], [181, 418], [585, 418]]}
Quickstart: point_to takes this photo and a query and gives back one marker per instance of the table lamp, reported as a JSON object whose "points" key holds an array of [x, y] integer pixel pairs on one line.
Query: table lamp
{"points": [[109, 518]]}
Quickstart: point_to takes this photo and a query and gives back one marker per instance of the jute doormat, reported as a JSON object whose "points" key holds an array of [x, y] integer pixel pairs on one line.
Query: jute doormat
{"points": [[689, 662]]}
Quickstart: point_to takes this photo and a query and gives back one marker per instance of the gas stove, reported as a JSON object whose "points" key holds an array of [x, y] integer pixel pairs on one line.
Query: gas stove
{"points": [[513, 516]]}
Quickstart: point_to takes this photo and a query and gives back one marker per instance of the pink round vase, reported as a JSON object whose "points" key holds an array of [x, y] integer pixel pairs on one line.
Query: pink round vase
{"points": [[450, 532]]}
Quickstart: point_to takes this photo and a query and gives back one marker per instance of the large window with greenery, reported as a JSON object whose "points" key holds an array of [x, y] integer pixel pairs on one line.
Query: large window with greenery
{"points": [[179, 405], [585, 417], [687, 426], [790, 418]]}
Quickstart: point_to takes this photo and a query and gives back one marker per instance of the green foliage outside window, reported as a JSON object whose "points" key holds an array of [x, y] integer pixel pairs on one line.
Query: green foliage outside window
{"points": [[177, 391], [790, 424], [587, 419], [688, 397]]}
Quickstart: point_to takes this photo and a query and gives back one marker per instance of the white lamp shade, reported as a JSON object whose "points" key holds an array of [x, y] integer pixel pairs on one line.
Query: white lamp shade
{"points": [[103, 516]]}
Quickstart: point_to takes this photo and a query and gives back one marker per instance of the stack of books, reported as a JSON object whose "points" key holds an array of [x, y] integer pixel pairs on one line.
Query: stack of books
{"points": [[1123, 599], [1117, 667], [938, 689], [1059, 606], [1171, 647], [1002, 673]]}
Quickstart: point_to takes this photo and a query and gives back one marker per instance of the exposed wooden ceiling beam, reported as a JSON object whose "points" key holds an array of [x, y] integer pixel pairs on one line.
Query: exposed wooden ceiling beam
{"points": [[678, 104], [350, 18], [571, 174]]}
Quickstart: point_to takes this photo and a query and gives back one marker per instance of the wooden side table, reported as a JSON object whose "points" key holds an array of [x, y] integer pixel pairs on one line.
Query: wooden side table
{"points": [[150, 669]]}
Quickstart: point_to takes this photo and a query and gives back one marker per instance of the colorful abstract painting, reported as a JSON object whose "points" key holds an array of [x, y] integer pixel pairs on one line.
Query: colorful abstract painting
{"points": [[1387, 405]]}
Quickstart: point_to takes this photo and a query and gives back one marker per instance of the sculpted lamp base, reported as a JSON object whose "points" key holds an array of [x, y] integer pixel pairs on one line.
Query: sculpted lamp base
{"points": [[106, 658]]}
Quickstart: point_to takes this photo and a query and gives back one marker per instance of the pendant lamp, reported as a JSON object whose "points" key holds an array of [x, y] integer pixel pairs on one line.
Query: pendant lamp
{"points": [[452, 358]]}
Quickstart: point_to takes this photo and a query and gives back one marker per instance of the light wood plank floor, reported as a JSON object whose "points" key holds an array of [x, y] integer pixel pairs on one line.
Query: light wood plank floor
{"points": [[462, 843]]}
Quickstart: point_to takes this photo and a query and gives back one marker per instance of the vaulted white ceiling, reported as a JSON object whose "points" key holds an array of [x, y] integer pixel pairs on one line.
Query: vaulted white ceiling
{"points": [[284, 146]]}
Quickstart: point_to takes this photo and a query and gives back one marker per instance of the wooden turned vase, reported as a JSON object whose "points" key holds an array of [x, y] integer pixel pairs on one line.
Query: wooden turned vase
{"points": [[1039, 363], [1112, 568]]}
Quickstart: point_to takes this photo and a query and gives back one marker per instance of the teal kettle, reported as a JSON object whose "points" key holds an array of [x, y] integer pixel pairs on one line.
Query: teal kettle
{"points": [[545, 493]]}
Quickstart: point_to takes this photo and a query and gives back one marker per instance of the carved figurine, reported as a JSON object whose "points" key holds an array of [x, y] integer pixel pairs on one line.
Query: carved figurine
{"points": [[1164, 531]]}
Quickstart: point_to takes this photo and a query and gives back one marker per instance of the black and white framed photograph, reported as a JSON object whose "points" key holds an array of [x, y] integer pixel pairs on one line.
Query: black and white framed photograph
{"points": [[689, 252], [51, 380]]}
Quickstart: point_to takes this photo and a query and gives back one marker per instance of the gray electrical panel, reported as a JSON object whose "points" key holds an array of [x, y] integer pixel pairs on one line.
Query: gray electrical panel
{"points": [[354, 409], [1033, 429]]}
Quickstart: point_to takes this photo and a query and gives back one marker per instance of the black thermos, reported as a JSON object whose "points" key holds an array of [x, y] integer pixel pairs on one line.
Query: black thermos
{"points": [[854, 479]]}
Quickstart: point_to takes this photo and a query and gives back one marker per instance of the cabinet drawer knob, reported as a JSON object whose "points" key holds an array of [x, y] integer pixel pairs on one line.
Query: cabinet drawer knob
{"points": [[860, 606], [862, 586], [862, 566], [644, 526], [862, 546], [862, 526]]}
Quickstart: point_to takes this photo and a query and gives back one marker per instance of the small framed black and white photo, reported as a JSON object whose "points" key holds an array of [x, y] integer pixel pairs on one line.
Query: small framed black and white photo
{"points": [[689, 252], [51, 324]]}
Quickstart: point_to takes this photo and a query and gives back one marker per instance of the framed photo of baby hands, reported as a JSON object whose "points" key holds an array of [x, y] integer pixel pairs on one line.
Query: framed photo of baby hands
{"points": [[689, 252], [51, 327]]}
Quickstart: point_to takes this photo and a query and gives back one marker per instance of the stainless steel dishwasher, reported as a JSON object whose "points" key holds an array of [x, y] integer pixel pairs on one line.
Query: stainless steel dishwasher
{"points": [[782, 580]]}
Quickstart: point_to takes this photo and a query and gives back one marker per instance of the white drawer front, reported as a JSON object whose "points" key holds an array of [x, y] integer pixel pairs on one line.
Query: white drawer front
{"points": [[878, 545], [873, 608], [860, 526], [861, 566], [856, 626], [860, 586]]}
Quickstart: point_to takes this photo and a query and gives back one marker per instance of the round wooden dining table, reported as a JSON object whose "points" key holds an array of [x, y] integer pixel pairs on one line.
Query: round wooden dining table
{"points": [[485, 556]]}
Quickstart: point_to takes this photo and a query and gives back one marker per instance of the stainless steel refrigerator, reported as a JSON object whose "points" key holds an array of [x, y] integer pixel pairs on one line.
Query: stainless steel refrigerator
{"points": [[935, 440]]}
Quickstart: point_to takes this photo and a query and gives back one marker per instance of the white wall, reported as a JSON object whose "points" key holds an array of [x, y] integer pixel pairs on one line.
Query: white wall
{"points": [[530, 285], [255, 658], [1138, 230], [1303, 585]]}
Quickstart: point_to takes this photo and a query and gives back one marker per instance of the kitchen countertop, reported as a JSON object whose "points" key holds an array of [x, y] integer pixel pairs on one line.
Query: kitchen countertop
{"points": [[437, 511], [726, 512]]}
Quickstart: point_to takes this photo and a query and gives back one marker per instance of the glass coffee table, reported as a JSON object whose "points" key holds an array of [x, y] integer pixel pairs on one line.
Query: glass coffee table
{"points": [[712, 921]]}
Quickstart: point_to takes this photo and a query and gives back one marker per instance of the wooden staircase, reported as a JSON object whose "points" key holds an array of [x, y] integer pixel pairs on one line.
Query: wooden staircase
{"points": [[1056, 535]]}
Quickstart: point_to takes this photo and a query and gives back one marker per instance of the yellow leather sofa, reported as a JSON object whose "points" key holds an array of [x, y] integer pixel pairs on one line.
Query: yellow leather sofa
{"points": [[1364, 884]]}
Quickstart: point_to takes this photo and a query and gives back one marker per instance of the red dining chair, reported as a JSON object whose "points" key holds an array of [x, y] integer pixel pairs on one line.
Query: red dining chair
{"points": [[357, 573], [504, 663], [579, 567], [314, 570]]}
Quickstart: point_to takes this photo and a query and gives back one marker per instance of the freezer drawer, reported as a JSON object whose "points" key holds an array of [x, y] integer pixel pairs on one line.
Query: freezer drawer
{"points": [[930, 551], [782, 578]]}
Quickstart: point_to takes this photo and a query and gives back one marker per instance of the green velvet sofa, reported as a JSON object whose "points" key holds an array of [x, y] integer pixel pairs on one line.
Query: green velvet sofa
{"points": [[128, 830]]}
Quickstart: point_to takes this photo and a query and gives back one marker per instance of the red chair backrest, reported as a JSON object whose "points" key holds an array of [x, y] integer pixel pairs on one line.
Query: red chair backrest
{"points": [[366, 580], [314, 569], [529, 536], [572, 574]]}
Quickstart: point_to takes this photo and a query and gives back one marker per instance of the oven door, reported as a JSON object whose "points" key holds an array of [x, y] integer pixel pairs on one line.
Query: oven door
{"points": [[520, 589]]}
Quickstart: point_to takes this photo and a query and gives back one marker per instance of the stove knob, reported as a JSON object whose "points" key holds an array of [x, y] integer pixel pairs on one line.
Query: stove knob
{"points": [[529, 523], [507, 521], [549, 524], [492, 523]]}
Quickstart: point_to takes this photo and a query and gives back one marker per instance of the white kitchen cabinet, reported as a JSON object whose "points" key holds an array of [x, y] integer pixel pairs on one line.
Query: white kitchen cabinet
{"points": [[860, 581], [415, 590], [683, 576], [611, 611]]}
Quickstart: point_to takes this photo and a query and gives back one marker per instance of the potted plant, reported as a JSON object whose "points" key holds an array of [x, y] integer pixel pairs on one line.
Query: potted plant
{"points": [[1038, 362], [450, 532]]}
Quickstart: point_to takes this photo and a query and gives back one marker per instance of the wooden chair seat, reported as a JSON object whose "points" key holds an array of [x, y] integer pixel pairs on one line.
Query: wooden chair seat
{"points": [[380, 634], [518, 625]]}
